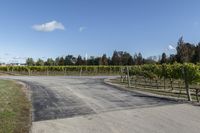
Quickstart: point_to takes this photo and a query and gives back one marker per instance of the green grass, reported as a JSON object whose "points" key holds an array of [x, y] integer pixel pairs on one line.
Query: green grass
{"points": [[14, 108]]}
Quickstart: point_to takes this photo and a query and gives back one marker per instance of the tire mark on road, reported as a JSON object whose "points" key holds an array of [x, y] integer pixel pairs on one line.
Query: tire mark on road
{"points": [[46, 104]]}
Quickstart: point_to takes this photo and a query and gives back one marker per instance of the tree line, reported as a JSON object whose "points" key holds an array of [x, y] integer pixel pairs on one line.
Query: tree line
{"points": [[118, 58], [185, 52]]}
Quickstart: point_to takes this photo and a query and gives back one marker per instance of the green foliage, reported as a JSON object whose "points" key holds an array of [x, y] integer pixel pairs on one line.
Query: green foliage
{"points": [[30, 62], [191, 72], [171, 71], [83, 68], [151, 71], [14, 108]]}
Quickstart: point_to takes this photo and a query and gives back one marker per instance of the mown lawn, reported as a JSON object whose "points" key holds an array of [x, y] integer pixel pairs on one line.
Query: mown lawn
{"points": [[14, 108]]}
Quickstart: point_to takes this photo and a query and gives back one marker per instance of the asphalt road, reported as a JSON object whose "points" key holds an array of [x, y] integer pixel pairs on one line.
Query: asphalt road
{"points": [[74, 100]]}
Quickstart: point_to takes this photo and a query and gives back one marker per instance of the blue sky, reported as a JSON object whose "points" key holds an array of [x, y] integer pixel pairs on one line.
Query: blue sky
{"points": [[94, 27]]}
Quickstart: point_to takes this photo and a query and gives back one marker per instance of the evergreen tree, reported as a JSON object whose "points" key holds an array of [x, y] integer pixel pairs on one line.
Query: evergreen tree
{"points": [[164, 58], [40, 62], [70, 60], [57, 61], [139, 59], [196, 56], [130, 61], [104, 60], [30, 62], [79, 60], [115, 58], [185, 51], [61, 61], [50, 62]]}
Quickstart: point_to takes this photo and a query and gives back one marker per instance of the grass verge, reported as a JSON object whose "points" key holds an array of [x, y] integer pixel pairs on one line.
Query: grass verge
{"points": [[14, 108]]}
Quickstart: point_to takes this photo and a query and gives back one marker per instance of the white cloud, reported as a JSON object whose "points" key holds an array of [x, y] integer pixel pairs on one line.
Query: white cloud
{"points": [[170, 47], [82, 28], [49, 26]]}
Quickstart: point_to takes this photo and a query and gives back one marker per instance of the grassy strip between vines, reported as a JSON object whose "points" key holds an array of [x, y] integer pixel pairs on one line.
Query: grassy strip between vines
{"points": [[14, 108]]}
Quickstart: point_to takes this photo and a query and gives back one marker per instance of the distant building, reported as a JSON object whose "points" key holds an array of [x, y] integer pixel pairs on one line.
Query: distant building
{"points": [[16, 64], [2, 64], [12, 64]]}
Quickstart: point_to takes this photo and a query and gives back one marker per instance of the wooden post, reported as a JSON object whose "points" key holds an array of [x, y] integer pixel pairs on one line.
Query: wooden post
{"points": [[187, 84], [157, 83], [47, 72], [171, 82], [164, 82], [128, 76], [197, 97], [121, 75], [65, 72], [136, 82], [29, 72], [81, 72]]}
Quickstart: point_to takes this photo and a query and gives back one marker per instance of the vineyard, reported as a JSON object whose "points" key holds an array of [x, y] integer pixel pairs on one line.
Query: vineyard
{"points": [[181, 79], [61, 70]]}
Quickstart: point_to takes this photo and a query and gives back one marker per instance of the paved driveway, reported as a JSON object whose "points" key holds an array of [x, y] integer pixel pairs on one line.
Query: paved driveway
{"points": [[87, 105]]}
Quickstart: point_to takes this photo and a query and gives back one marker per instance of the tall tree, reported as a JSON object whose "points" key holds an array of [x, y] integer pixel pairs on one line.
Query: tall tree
{"points": [[104, 60], [40, 62], [196, 56], [50, 62], [139, 59], [79, 60], [91, 60], [61, 61], [130, 61], [180, 50], [185, 51], [125, 58], [164, 58], [30, 62], [115, 58], [172, 58], [109, 61], [70, 60], [135, 59], [57, 61], [98, 61], [121, 58]]}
